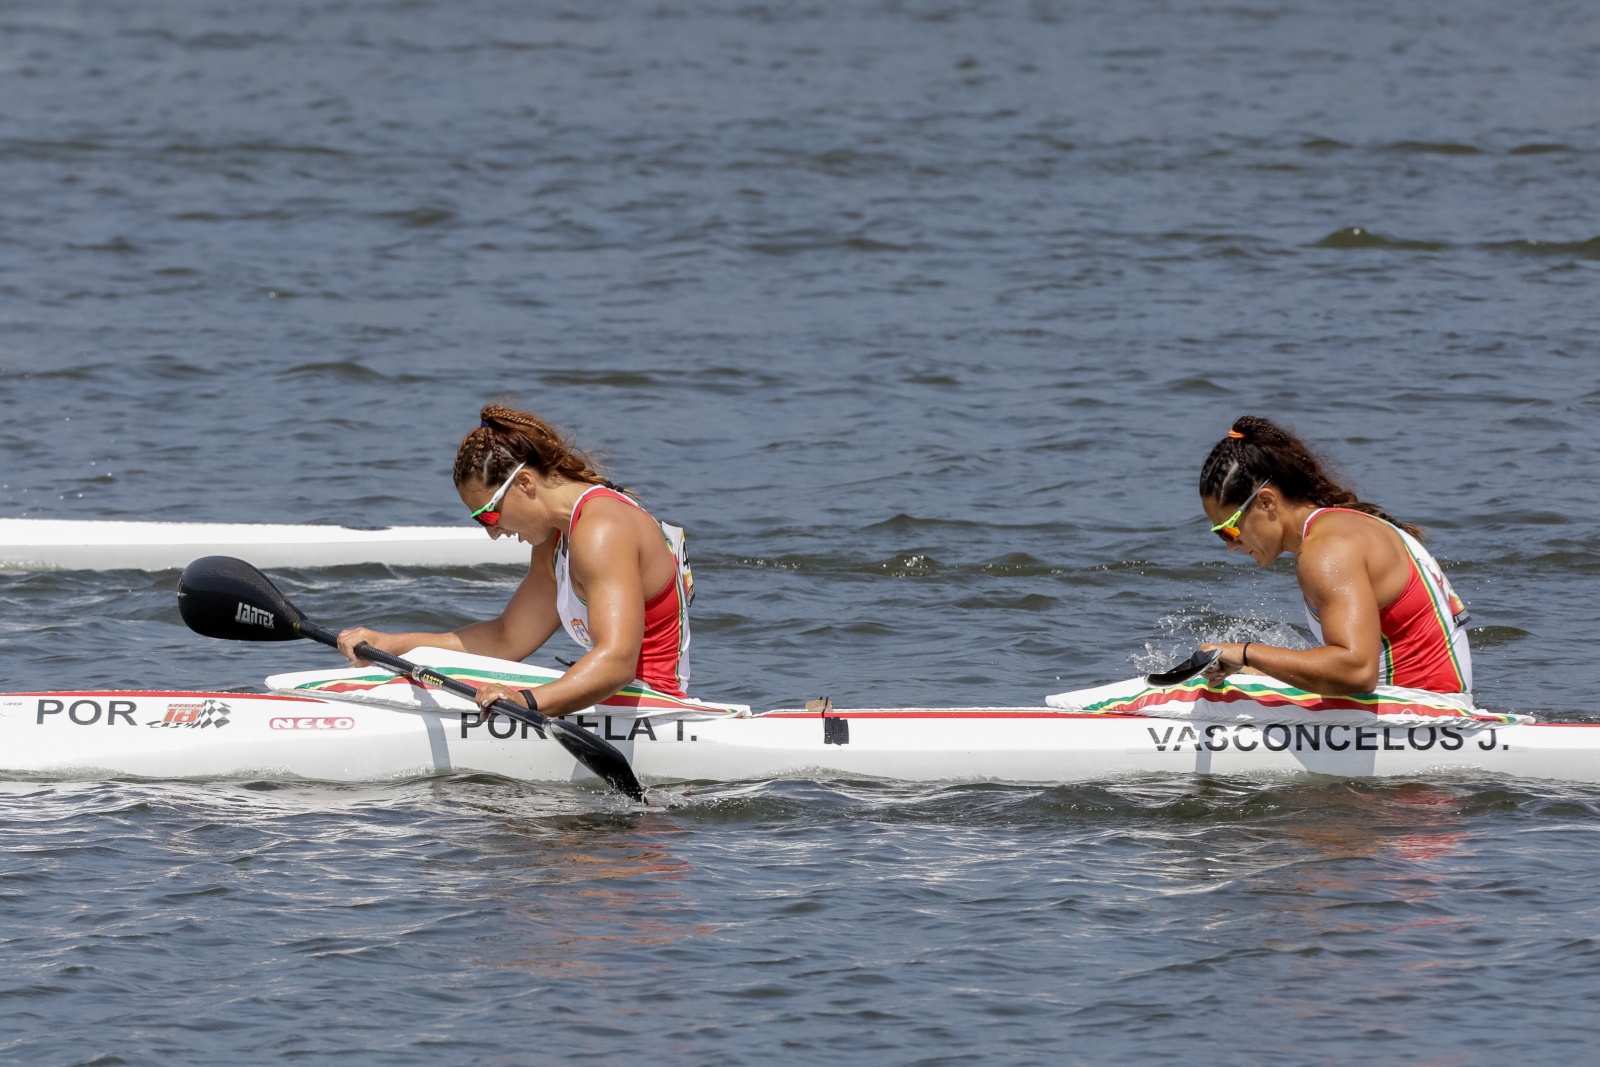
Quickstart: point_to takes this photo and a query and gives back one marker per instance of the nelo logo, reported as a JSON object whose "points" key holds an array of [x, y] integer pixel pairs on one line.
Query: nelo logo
{"points": [[314, 722], [251, 615]]}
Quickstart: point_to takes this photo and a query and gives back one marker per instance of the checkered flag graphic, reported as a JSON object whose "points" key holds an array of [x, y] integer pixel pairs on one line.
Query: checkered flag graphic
{"points": [[213, 713]]}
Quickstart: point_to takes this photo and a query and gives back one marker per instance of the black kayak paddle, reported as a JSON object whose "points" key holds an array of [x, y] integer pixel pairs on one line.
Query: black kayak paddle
{"points": [[219, 596], [1192, 667]]}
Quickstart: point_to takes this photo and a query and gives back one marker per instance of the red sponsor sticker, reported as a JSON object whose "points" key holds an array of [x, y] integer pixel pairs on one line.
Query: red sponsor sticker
{"points": [[313, 722], [195, 715], [184, 713]]}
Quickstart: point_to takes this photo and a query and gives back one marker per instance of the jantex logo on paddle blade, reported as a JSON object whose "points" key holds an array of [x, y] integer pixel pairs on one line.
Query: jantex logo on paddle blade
{"points": [[313, 722], [251, 615]]}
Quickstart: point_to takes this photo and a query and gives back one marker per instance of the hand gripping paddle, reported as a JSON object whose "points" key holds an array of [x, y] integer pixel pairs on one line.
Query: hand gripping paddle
{"points": [[220, 596]]}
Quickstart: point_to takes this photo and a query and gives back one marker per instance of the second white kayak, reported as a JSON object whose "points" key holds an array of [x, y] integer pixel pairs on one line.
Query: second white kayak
{"points": [[70, 544]]}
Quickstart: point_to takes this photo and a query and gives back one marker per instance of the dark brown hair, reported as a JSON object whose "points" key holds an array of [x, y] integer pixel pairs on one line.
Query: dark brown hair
{"points": [[506, 437], [1258, 450]]}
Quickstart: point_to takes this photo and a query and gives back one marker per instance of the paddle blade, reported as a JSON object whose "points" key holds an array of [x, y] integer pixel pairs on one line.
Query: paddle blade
{"points": [[1192, 667], [601, 758], [219, 596]]}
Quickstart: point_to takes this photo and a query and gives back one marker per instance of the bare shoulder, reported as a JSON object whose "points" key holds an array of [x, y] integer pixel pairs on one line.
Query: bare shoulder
{"points": [[605, 520], [1340, 540]]}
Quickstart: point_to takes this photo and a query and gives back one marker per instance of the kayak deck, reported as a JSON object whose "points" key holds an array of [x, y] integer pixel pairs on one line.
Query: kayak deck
{"points": [[369, 723], [159, 734]]}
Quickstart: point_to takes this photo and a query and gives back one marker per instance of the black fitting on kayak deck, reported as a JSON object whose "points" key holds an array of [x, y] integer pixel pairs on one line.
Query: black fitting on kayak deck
{"points": [[835, 728]]}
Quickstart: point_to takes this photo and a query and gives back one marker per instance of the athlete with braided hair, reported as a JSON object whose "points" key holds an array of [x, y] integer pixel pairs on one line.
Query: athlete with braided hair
{"points": [[1379, 605], [602, 568]]}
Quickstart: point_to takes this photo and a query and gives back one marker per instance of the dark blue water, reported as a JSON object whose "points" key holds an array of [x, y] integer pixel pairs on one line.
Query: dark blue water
{"points": [[920, 317]]}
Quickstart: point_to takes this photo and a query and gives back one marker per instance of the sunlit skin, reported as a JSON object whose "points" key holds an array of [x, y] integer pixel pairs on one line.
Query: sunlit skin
{"points": [[1349, 568], [618, 561]]}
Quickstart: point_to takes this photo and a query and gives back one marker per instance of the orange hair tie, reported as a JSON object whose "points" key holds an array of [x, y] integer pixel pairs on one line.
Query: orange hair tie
{"points": [[1236, 435]]}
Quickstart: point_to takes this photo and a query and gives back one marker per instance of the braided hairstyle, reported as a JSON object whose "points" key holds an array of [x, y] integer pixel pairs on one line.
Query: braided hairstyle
{"points": [[505, 437], [1258, 450]]}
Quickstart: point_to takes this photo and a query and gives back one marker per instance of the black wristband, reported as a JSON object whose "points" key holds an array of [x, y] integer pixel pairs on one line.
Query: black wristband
{"points": [[1244, 657], [527, 694]]}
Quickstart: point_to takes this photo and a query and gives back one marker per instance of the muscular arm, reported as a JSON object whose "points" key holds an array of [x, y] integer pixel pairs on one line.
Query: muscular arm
{"points": [[526, 623], [611, 551], [1336, 582], [605, 564]]}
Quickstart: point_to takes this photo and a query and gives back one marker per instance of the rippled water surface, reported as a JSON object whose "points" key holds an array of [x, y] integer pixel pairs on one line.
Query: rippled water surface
{"points": [[920, 317]]}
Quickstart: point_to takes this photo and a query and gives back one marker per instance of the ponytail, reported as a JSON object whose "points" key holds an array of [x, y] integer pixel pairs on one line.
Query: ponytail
{"points": [[1258, 450], [506, 437]]}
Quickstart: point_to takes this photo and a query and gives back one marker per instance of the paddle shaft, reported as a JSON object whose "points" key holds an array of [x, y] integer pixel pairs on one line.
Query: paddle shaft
{"points": [[599, 756], [427, 676], [220, 596], [1197, 664]]}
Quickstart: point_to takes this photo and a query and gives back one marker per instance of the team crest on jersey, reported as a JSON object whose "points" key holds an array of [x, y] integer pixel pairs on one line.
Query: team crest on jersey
{"points": [[1458, 611], [581, 632]]}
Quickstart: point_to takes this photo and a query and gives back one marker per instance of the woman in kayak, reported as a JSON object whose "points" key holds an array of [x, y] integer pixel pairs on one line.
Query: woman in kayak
{"points": [[1380, 608], [602, 567]]}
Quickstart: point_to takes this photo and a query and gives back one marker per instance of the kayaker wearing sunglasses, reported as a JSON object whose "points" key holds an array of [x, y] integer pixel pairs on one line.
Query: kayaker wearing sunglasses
{"points": [[1379, 605], [605, 570]]}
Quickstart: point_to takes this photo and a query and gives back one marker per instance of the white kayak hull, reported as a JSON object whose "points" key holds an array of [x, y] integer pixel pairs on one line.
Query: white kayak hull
{"points": [[59, 544], [230, 735]]}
